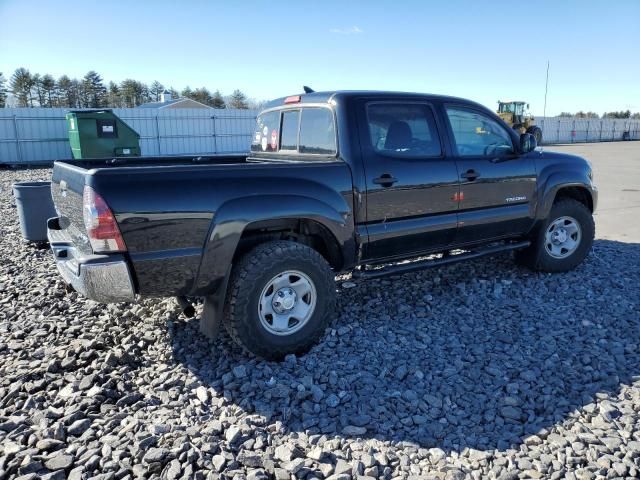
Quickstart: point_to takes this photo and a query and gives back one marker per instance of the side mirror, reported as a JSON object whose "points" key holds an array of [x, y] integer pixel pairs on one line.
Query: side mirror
{"points": [[527, 143]]}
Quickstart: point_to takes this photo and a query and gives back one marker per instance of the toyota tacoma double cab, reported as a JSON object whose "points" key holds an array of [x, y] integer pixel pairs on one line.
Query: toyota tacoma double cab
{"points": [[372, 183]]}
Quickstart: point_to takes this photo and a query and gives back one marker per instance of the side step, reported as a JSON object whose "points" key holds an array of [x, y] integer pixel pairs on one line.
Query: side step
{"points": [[395, 269]]}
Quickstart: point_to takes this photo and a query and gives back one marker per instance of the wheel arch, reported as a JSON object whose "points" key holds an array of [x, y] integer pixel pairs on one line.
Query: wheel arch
{"points": [[245, 222], [305, 230], [566, 184], [576, 192]]}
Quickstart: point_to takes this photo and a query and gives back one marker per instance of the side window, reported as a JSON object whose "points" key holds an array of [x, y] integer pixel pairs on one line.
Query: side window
{"points": [[403, 129], [317, 131], [289, 138], [476, 134], [265, 136]]}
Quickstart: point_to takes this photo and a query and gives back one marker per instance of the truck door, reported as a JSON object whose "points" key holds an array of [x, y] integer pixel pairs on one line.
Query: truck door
{"points": [[411, 185], [497, 185]]}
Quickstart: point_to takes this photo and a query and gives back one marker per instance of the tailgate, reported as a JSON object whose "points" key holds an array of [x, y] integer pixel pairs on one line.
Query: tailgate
{"points": [[67, 186]]}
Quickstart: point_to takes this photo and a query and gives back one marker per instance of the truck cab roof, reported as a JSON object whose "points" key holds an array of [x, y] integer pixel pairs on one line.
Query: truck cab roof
{"points": [[342, 95]]}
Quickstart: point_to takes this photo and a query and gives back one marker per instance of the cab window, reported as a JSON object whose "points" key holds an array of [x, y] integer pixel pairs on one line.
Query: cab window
{"points": [[289, 139], [476, 134], [317, 132], [403, 130], [267, 130]]}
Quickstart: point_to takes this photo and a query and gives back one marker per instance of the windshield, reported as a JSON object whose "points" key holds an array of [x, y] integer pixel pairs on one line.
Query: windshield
{"points": [[511, 107]]}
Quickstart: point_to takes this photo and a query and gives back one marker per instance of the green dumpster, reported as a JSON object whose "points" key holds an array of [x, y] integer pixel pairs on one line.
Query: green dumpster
{"points": [[101, 134]]}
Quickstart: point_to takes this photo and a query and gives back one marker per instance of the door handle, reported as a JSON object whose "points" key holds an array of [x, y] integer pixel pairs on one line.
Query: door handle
{"points": [[385, 180], [470, 175]]}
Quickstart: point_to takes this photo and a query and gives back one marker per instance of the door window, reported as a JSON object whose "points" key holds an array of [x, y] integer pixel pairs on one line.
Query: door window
{"points": [[317, 133], [403, 130], [476, 134]]}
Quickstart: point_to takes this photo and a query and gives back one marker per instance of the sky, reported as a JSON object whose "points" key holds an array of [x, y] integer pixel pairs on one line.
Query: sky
{"points": [[482, 50]]}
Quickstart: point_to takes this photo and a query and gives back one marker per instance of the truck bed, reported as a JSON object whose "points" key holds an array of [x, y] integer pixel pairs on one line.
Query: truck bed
{"points": [[165, 206]]}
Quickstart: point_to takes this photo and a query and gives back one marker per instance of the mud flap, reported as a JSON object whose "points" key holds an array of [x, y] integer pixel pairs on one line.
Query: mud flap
{"points": [[211, 318]]}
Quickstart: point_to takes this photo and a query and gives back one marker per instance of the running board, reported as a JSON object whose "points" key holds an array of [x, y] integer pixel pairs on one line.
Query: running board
{"points": [[446, 259]]}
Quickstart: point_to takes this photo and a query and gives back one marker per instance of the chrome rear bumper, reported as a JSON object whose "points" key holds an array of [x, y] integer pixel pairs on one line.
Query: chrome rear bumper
{"points": [[103, 278]]}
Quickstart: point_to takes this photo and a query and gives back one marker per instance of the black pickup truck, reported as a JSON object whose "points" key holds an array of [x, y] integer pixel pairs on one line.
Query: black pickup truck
{"points": [[372, 183]]}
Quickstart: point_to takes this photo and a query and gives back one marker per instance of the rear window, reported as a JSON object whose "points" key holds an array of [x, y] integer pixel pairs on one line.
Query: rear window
{"points": [[289, 139], [265, 137], [310, 130], [403, 129]]}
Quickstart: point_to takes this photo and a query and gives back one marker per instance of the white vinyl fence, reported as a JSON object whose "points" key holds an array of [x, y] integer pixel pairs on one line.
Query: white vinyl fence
{"points": [[32, 135], [580, 130]]}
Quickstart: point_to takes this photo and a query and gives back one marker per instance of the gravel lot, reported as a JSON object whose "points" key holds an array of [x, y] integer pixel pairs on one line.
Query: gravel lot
{"points": [[478, 370]]}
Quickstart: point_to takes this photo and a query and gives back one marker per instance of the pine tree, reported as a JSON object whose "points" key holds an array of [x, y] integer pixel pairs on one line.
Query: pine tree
{"points": [[132, 92], [48, 86], [3, 91], [156, 90], [37, 87], [21, 85], [94, 90], [217, 101], [174, 93], [64, 92], [146, 94], [202, 95], [114, 96], [186, 92], [78, 94], [238, 100]]}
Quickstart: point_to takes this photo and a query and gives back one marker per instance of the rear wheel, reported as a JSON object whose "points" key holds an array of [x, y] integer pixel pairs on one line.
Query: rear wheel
{"points": [[281, 298], [563, 241]]}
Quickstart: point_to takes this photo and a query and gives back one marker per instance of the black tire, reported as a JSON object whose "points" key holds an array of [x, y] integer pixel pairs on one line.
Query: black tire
{"points": [[537, 134], [537, 256], [252, 274]]}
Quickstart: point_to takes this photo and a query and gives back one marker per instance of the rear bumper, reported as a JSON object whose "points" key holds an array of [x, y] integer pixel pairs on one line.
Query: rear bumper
{"points": [[103, 278]]}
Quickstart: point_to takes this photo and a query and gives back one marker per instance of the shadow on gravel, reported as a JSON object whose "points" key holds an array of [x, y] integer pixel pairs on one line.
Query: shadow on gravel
{"points": [[477, 355]]}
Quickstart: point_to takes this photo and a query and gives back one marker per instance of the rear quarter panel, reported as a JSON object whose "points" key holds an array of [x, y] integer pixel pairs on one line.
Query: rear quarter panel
{"points": [[181, 224]]}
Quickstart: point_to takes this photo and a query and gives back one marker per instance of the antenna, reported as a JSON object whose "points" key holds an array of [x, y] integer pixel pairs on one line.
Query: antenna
{"points": [[546, 87], [307, 89]]}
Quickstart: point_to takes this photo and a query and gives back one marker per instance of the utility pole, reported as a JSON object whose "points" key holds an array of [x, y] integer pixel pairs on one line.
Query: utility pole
{"points": [[546, 87]]}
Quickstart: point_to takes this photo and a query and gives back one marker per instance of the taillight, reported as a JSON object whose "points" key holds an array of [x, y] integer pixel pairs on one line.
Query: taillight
{"points": [[100, 223]]}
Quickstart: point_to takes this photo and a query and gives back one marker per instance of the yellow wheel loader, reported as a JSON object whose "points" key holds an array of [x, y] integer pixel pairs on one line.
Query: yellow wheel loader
{"points": [[518, 118]]}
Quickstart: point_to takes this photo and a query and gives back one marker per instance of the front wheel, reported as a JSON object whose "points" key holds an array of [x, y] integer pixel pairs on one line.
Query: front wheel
{"points": [[281, 298], [563, 241], [537, 134]]}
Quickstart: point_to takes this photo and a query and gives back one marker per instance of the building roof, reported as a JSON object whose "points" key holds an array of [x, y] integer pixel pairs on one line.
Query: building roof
{"points": [[172, 102]]}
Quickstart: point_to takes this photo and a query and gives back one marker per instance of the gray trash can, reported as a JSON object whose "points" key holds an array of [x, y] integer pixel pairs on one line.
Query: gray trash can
{"points": [[35, 206]]}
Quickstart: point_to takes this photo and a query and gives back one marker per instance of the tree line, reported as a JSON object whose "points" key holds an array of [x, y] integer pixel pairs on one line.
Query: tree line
{"points": [[91, 91], [620, 114]]}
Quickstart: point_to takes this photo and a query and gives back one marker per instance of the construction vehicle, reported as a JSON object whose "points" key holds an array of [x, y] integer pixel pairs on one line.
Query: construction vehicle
{"points": [[515, 115]]}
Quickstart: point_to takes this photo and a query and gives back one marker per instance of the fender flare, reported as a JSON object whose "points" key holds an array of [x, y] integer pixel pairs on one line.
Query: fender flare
{"points": [[233, 217], [556, 182]]}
